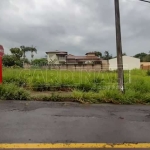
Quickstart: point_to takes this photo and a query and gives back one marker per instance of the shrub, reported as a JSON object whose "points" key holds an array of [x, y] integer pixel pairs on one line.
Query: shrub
{"points": [[12, 92], [148, 72]]}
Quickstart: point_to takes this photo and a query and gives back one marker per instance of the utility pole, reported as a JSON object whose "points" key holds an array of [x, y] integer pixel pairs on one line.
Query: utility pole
{"points": [[119, 48]]}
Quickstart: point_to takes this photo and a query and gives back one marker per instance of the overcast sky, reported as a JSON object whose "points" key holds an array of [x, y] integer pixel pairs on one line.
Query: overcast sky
{"points": [[76, 26]]}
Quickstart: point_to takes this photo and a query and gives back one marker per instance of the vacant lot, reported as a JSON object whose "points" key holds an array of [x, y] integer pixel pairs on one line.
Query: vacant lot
{"points": [[82, 86]]}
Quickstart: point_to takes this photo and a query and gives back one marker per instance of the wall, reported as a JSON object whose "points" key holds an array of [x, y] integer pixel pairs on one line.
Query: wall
{"points": [[129, 63], [72, 67], [145, 65], [52, 58]]}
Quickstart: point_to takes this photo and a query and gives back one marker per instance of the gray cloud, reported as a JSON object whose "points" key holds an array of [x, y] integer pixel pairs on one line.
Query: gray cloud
{"points": [[77, 26]]}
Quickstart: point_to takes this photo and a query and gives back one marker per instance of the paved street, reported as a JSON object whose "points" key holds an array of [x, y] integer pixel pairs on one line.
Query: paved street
{"points": [[46, 122]]}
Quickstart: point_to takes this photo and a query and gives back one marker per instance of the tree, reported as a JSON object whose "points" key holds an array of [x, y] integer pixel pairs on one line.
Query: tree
{"points": [[39, 62], [98, 54], [16, 52], [24, 50], [32, 50], [10, 60], [146, 58], [124, 54], [140, 56]]}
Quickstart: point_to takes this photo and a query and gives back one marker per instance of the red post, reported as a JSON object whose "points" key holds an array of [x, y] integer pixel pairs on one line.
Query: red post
{"points": [[1, 70]]}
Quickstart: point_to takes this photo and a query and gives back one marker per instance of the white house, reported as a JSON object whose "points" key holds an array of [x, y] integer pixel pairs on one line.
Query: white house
{"points": [[56, 57], [129, 63]]}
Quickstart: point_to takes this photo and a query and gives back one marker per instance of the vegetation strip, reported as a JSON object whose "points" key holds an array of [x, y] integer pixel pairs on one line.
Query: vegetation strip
{"points": [[73, 145], [79, 86]]}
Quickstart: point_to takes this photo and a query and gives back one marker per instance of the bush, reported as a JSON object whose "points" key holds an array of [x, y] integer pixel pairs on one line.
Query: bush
{"points": [[12, 92], [148, 72]]}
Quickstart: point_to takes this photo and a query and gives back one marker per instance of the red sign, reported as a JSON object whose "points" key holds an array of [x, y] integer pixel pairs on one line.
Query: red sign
{"points": [[1, 51], [1, 55]]}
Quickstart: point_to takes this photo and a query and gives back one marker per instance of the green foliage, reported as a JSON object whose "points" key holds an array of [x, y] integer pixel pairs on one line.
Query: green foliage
{"points": [[8, 60], [12, 92], [98, 54], [142, 56], [40, 62], [15, 59], [91, 87], [148, 72], [146, 58], [16, 52]]}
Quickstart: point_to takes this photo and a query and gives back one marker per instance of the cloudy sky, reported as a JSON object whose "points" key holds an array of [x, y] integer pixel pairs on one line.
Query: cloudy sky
{"points": [[76, 26]]}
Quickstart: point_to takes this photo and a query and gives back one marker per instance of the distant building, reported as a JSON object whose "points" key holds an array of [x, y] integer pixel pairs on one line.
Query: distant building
{"points": [[62, 57], [129, 63], [56, 57], [89, 58]]}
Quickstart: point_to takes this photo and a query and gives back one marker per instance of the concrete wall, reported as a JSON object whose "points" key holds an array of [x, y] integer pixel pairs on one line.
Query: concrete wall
{"points": [[72, 67], [145, 65], [129, 63], [52, 58]]}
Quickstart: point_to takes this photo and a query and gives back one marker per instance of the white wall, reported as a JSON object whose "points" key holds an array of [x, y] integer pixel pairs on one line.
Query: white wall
{"points": [[129, 63], [52, 58]]}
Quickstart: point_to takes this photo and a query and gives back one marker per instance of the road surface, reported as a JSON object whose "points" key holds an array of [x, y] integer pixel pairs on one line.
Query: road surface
{"points": [[46, 122]]}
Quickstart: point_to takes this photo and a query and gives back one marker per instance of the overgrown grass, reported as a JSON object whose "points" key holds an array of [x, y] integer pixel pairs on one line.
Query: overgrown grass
{"points": [[91, 87], [12, 92]]}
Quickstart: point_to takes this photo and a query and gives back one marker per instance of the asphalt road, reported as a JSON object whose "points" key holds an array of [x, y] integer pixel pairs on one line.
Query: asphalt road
{"points": [[34, 122]]}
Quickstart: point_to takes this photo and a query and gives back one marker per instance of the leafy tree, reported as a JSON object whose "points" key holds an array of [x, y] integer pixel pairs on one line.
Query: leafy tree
{"points": [[98, 54], [10, 60], [40, 62], [16, 52], [24, 50], [106, 55], [32, 50], [140, 56], [146, 58]]}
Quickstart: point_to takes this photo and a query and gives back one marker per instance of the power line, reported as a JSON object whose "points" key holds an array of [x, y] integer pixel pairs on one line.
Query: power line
{"points": [[145, 1]]}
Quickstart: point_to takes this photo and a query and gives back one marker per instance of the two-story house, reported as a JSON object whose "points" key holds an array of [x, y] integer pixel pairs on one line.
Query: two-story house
{"points": [[56, 57]]}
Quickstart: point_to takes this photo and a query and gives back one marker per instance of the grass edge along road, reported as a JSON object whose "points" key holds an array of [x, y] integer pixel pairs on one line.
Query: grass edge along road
{"points": [[77, 86], [72, 145]]}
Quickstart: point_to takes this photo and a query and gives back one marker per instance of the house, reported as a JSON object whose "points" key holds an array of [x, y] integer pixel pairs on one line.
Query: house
{"points": [[61, 59], [89, 58], [56, 57], [129, 63]]}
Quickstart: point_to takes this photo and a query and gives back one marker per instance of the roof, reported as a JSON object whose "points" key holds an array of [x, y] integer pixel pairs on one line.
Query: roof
{"points": [[125, 57], [83, 57], [90, 53], [57, 51]]}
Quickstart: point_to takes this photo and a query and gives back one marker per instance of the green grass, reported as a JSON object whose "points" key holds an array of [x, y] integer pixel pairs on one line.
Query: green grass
{"points": [[91, 87]]}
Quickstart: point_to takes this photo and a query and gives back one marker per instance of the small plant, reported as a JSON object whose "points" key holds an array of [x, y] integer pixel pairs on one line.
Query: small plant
{"points": [[148, 72], [12, 92]]}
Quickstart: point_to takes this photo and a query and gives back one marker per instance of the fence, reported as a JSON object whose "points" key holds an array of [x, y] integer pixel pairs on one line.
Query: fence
{"points": [[73, 67], [145, 67]]}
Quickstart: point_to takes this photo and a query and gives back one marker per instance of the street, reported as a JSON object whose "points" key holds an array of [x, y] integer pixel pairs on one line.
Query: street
{"points": [[48, 122]]}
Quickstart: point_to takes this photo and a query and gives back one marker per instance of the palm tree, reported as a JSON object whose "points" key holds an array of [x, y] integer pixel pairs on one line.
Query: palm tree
{"points": [[32, 50], [24, 50], [107, 56]]}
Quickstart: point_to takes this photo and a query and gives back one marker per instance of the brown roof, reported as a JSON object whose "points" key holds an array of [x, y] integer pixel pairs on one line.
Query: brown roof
{"points": [[90, 53], [83, 57], [57, 51]]}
